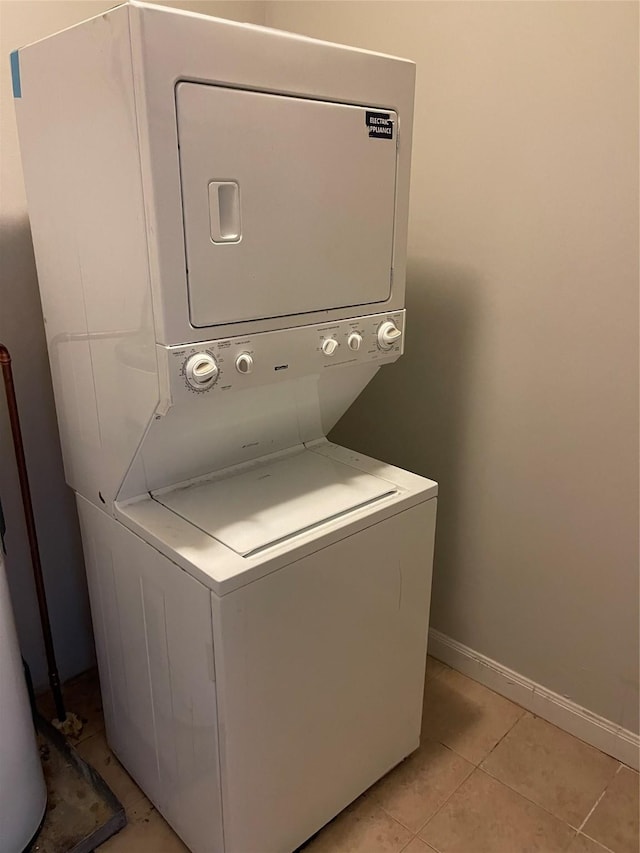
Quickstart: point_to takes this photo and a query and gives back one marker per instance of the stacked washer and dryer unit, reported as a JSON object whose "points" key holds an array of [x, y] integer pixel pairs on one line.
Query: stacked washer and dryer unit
{"points": [[219, 216]]}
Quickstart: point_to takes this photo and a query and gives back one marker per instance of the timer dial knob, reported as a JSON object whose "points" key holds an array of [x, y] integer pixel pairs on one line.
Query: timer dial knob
{"points": [[388, 334], [354, 341], [244, 363], [329, 346], [201, 370]]}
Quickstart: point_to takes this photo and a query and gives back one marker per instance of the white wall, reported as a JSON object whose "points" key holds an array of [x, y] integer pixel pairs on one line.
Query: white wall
{"points": [[21, 329], [519, 389]]}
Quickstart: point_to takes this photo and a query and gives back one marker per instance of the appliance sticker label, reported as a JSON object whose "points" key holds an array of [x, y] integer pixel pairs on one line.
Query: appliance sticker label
{"points": [[380, 125]]}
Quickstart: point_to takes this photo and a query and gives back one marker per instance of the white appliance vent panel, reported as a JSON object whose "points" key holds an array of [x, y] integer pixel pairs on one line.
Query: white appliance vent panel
{"points": [[288, 203], [274, 500]]}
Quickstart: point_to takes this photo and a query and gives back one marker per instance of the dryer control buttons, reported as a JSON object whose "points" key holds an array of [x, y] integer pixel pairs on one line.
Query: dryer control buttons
{"points": [[354, 341], [201, 371], [388, 334], [244, 363], [329, 346]]}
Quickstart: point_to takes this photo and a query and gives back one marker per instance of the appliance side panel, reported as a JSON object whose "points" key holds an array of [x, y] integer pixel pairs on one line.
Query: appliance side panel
{"points": [[120, 650], [155, 654], [79, 146], [320, 670]]}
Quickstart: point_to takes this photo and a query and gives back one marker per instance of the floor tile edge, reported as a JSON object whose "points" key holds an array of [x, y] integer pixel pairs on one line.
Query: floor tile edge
{"points": [[562, 712]]}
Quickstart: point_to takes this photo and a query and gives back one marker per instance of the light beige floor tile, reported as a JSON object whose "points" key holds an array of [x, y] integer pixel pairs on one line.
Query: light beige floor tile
{"points": [[415, 790], [434, 668], [416, 845], [95, 752], [582, 844], [614, 821], [149, 835], [168, 840], [82, 697], [554, 769], [140, 811], [484, 816], [466, 716], [362, 828]]}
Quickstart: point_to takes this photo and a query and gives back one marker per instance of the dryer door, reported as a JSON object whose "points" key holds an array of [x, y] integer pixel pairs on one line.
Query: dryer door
{"points": [[288, 203]]}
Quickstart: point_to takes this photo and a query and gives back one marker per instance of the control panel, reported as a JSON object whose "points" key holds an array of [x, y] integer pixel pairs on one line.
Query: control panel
{"points": [[214, 367]]}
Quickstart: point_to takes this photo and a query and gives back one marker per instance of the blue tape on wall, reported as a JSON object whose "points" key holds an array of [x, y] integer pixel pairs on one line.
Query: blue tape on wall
{"points": [[15, 74]]}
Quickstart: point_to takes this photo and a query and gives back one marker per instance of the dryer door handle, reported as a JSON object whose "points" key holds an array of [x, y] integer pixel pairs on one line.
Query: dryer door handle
{"points": [[224, 211]]}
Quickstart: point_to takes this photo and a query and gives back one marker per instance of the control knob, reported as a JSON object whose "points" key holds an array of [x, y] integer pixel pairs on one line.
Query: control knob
{"points": [[354, 341], [329, 346], [244, 363], [201, 370], [388, 334]]}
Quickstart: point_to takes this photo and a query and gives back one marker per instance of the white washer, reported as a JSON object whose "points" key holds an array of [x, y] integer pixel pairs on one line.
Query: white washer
{"points": [[263, 688], [219, 216]]}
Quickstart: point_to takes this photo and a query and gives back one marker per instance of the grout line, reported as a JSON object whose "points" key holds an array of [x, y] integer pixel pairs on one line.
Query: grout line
{"points": [[577, 829], [597, 802], [425, 737], [428, 846], [592, 809], [444, 803], [509, 730], [595, 841], [410, 841], [525, 797], [422, 825], [396, 820]]}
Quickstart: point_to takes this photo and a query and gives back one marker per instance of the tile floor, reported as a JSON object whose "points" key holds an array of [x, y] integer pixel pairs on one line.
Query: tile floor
{"points": [[488, 778]]}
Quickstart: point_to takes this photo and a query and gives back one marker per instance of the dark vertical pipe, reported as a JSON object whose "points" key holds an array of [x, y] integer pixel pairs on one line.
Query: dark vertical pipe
{"points": [[16, 433]]}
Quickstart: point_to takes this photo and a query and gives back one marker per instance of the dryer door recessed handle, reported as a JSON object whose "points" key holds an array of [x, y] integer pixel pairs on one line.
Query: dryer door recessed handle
{"points": [[224, 211]]}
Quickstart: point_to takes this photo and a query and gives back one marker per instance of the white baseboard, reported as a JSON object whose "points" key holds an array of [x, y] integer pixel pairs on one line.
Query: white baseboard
{"points": [[589, 727]]}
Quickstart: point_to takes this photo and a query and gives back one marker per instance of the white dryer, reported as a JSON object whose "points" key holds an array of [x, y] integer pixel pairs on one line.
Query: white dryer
{"points": [[219, 216]]}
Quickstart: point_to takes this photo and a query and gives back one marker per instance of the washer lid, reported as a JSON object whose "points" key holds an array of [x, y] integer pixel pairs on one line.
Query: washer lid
{"points": [[274, 500]]}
